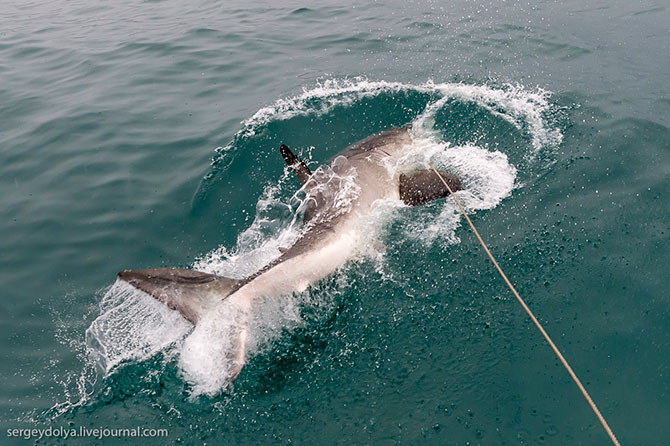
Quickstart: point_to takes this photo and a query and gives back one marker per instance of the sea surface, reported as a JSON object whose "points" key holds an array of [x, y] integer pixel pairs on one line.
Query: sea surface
{"points": [[145, 134]]}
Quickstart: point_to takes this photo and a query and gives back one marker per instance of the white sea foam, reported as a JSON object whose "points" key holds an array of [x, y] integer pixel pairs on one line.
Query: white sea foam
{"points": [[486, 176], [521, 107], [133, 326], [208, 359]]}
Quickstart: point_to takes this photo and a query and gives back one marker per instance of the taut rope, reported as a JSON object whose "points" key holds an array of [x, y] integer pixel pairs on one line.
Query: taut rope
{"points": [[532, 316]]}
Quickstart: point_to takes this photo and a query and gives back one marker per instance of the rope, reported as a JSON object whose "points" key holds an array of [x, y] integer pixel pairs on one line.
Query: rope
{"points": [[532, 316]]}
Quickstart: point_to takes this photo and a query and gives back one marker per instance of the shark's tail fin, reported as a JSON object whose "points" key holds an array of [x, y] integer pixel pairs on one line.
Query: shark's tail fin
{"points": [[190, 292], [193, 294]]}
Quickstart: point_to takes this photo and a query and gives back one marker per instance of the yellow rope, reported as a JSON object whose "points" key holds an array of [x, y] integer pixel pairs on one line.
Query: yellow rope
{"points": [[532, 316]]}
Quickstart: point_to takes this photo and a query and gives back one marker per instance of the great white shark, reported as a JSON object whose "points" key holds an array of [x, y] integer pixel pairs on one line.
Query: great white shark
{"points": [[331, 231]]}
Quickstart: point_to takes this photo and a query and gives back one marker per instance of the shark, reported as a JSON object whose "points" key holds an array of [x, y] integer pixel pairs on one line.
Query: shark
{"points": [[338, 198]]}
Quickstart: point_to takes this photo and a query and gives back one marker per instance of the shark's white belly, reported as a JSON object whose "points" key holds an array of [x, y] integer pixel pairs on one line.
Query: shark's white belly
{"points": [[297, 273], [330, 253]]}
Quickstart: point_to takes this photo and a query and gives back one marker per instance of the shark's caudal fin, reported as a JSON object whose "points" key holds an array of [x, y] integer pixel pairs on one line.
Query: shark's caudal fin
{"points": [[424, 186], [299, 167], [190, 292]]}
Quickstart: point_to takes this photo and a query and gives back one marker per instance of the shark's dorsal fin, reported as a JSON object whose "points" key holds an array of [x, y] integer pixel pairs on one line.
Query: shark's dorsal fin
{"points": [[187, 291], [299, 167], [424, 186]]}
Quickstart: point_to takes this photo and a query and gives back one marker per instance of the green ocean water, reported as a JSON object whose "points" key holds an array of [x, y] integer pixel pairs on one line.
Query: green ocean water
{"points": [[145, 134]]}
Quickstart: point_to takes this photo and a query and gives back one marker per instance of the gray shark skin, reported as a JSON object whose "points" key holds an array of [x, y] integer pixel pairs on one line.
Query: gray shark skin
{"points": [[361, 175]]}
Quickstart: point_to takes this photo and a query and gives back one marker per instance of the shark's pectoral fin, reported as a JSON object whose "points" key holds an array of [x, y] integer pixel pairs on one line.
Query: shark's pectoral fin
{"points": [[187, 291], [299, 167], [424, 186]]}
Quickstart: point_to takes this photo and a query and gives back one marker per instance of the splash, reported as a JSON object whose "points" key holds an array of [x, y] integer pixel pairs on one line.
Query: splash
{"points": [[522, 108], [130, 327], [133, 327], [486, 176]]}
